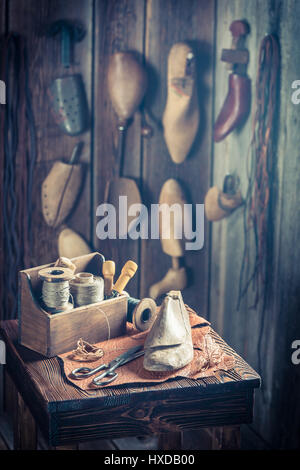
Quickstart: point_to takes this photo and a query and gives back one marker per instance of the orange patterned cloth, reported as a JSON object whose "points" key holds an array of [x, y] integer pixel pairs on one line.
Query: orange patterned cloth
{"points": [[208, 357]]}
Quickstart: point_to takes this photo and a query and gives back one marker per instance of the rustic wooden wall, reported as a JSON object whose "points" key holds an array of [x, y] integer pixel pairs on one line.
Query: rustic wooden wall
{"points": [[151, 27], [2, 31], [31, 19], [169, 22], [277, 411], [142, 26], [119, 26]]}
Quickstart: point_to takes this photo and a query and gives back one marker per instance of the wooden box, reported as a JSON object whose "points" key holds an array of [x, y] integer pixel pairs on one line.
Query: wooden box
{"points": [[52, 334]]}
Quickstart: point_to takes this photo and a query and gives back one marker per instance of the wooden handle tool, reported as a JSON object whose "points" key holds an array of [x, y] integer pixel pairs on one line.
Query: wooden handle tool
{"points": [[237, 103], [127, 83], [128, 271], [108, 271], [176, 277], [237, 57]]}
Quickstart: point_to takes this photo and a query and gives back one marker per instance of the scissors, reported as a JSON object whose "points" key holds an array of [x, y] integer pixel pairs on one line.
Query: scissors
{"points": [[109, 369]]}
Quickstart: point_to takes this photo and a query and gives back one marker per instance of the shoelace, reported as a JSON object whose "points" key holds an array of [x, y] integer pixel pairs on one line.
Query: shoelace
{"points": [[258, 205]]}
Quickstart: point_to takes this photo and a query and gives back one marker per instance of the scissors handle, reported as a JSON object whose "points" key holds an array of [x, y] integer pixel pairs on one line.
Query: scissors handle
{"points": [[110, 372], [83, 372], [98, 380]]}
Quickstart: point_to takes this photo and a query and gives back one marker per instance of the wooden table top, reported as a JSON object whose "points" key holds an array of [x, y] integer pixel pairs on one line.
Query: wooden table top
{"points": [[66, 414], [44, 375]]}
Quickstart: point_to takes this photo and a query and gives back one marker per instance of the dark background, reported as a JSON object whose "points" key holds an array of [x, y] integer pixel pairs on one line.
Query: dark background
{"points": [[151, 27]]}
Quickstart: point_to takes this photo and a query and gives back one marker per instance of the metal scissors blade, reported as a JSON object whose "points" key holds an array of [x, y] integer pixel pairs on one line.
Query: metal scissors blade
{"points": [[84, 372], [111, 371]]}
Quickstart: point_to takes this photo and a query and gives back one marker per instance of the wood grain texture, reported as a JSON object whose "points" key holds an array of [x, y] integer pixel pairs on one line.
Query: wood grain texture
{"points": [[285, 20], [25, 432], [169, 22], [281, 322], [172, 406], [151, 416], [3, 446], [226, 437], [119, 26], [31, 20], [2, 113], [170, 441]]}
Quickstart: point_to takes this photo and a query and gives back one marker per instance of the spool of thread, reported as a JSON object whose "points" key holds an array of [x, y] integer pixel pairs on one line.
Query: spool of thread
{"points": [[87, 289], [55, 289], [141, 313]]}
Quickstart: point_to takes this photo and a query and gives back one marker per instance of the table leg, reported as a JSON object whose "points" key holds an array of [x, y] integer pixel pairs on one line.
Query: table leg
{"points": [[226, 437], [25, 431], [170, 441], [1, 388]]}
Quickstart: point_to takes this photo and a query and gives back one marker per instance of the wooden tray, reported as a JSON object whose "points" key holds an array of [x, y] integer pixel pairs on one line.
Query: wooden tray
{"points": [[52, 334]]}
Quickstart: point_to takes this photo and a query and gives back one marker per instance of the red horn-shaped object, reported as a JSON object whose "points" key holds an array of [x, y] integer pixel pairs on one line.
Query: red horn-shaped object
{"points": [[236, 106], [237, 103]]}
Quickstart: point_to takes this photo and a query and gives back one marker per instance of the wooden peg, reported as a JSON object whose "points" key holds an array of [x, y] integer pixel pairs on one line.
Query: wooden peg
{"points": [[128, 271], [108, 271], [237, 57]]}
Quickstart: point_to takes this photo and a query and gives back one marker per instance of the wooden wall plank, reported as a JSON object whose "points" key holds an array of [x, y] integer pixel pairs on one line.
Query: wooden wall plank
{"points": [[2, 110], [2, 31], [31, 20], [229, 156], [169, 22], [285, 314], [119, 26], [242, 328]]}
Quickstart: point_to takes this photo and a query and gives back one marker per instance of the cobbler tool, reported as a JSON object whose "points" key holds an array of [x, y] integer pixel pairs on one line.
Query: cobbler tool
{"points": [[181, 115], [61, 188], [128, 271], [84, 372], [219, 204], [176, 277], [127, 83], [71, 244], [108, 272], [67, 93], [169, 344], [55, 288], [139, 312], [236, 106]]}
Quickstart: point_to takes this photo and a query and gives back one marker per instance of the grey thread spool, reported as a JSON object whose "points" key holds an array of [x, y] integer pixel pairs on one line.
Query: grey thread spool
{"points": [[87, 289], [55, 289]]}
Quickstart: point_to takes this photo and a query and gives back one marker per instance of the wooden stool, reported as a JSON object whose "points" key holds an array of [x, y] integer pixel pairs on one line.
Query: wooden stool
{"points": [[67, 416]]}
